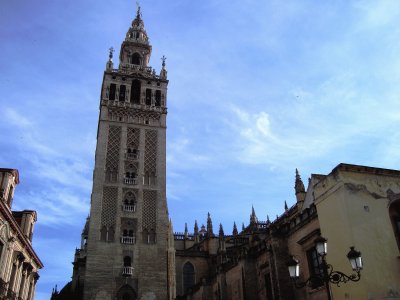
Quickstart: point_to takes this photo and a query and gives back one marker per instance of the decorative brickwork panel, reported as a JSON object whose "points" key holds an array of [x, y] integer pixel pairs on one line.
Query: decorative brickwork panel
{"points": [[109, 206], [149, 212], [150, 152], [133, 137], [113, 150]]}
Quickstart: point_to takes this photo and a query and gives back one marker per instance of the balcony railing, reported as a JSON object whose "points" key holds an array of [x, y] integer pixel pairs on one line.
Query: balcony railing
{"points": [[129, 208], [130, 181], [128, 240], [127, 271]]}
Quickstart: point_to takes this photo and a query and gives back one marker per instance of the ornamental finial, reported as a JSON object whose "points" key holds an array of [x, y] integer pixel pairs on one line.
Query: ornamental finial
{"points": [[138, 12], [163, 58], [110, 55]]}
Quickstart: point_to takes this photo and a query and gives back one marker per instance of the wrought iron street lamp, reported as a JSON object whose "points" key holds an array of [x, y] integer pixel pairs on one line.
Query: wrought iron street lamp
{"points": [[328, 275]]}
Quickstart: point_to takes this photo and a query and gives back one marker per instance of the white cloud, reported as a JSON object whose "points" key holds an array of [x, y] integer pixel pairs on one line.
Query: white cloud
{"points": [[16, 119]]}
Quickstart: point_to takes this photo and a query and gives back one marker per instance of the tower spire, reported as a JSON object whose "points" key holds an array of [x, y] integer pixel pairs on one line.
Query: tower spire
{"points": [[209, 226], [253, 217], [234, 231]]}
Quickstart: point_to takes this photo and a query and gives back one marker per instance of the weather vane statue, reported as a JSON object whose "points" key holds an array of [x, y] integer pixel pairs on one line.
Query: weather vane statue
{"points": [[110, 55], [138, 12], [163, 58]]}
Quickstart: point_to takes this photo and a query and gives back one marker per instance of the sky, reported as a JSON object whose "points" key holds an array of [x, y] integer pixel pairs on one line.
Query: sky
{"points": [[257, 89]]}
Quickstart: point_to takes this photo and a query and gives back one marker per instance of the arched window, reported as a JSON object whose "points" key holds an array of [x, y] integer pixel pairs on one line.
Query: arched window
{"points": [[394, 213], [158, 98], [127, 261], [135, 91], [126, 293], [135, 59], [103, 233], [188, 276], [148, 96], [113, 88], [122, 91]]}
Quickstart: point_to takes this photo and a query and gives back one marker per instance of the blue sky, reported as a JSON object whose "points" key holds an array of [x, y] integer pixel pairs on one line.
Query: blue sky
{"points": [[257, 89]]}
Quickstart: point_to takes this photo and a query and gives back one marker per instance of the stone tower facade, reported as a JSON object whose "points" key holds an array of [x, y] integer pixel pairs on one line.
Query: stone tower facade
{"points": [[124, 251]]}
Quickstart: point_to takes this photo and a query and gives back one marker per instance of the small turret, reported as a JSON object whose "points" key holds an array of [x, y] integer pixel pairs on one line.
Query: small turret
{"points": [[253, 217], [110, 64], [299, 190], [196, 231], [163, 72], [221, 231], [186, 231], [221, 238], [210, 232], [234, 231]]}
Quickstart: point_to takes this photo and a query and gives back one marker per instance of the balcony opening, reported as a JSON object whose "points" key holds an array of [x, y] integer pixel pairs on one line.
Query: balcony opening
{"points": [[135, 91]]}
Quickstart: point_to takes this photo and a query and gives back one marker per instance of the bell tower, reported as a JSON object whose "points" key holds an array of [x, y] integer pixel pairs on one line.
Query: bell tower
{"points": [[127, 238]]}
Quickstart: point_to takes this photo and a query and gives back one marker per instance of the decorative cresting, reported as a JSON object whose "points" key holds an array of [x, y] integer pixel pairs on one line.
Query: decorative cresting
{"points": [[109, 206], [113, 149], [150, 154], [149, 212]]}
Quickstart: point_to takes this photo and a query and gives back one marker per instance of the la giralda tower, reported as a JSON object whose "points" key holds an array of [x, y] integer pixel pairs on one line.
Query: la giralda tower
{"points": [[127, 252]]}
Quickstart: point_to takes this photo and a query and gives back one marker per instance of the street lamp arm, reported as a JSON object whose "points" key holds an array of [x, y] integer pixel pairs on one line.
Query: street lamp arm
{"points": [[337, 277]]}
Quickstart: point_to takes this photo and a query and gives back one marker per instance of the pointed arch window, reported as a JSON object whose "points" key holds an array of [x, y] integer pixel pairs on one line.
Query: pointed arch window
{"points": [[135, 59], [129, 202], [148, 96], [111, 94], [158, 98], [135, 91], [122, 92], [188, 276]]}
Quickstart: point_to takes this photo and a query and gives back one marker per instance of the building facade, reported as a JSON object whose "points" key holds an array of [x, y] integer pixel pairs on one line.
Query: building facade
{"points": [[19, 264], [352, 206], [124, 251]]}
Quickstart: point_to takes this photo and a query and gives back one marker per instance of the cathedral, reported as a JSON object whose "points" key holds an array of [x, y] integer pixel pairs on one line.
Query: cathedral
{"points": [[129, 250]]}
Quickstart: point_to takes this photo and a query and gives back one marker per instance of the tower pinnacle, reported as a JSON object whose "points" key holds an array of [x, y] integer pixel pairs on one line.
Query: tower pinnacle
{"points": [[300, 191]]}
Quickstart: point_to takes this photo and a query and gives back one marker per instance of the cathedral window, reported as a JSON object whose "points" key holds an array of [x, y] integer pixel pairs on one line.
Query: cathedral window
{"points": [[158, 98], [148, 96], [130, 178], [122, 90], [113, 88], [135, 91], [130, 202], [146, 179], [110, 235], [315, 267], [127, 270], [188, 276], [135, 59], [132, 153], [103, 234]]}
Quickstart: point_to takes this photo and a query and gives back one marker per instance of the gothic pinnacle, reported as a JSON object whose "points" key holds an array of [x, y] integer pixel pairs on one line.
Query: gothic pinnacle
{"points": [[234, 231], [286, 206], [298, 186], [209, 226], [196, 228], [221, 230], [253, 217]]}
